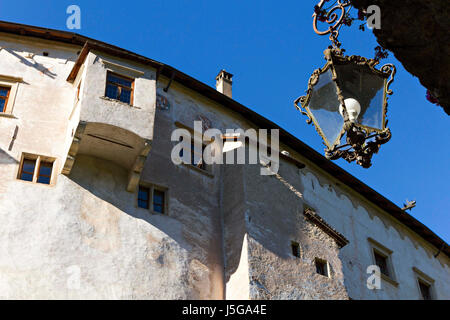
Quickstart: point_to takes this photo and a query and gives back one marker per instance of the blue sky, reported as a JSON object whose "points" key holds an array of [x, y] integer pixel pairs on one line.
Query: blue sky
{"points": [[271, 49]]}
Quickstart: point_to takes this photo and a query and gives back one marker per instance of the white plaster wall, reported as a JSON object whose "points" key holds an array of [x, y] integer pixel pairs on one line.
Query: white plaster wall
{"points": [[43, 101], [137, 117], [88, 225]]}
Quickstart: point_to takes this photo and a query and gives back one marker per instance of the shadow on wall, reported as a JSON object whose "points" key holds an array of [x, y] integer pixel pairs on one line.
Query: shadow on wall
{"points": [[5, 158], [107, 182], [268, 208], [30, 62]]}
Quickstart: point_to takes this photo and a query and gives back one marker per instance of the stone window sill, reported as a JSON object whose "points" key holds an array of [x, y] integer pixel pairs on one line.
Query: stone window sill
{"points": [[119, 102], [389, 279], [45, 185], [7, 115], [202, 171], [151, 212]]}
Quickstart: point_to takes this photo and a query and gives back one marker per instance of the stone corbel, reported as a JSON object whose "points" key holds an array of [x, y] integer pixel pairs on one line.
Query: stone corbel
{"points": [[70, 160], [134, 175]]}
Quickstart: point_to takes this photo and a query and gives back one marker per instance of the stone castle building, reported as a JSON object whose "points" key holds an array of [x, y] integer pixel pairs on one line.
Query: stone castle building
{"points": [[92, 206]]}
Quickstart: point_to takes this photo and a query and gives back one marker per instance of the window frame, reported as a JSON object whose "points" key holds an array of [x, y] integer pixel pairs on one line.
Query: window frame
{"points": [[22, 171], [78, 91], [6, 98], [39, 174], [152, 187], [376, 247], [37, 159], [201, 166], [326, 266], [425, 284], [163, 205], [127, 78], [209, 168], [385, 258], [11, 83], [149, 192], [427, 280], [295, 246]]}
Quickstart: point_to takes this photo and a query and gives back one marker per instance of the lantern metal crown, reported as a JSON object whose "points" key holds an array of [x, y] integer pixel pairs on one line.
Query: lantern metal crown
{"points": [[347, 97]]}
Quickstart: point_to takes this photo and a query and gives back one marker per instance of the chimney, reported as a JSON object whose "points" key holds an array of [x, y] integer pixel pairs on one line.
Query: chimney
{"points": [[224, 83]]}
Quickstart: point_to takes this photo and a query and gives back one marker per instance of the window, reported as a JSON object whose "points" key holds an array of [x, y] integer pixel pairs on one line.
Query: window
{"points": [[199, 164], [425, 285], [27, 172], [295, 249], [158, 201], [34, 168], [425, 290], [4, 95], [382, 257], [381, 262], [45, 172], [153, 198], [144, 197], [8, 91], [321, 267], [119, 87], [194, 159]]}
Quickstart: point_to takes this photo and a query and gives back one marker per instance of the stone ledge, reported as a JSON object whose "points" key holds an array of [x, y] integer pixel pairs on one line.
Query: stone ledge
{"points": [[7, 115], [119, 102]]}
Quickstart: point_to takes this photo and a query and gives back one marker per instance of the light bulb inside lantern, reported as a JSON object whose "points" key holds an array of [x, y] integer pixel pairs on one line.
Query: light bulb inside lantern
{"points": [[353, 109]]}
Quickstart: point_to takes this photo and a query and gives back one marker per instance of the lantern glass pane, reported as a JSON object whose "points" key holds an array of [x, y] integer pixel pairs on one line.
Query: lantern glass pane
{"points": [[360, 83], [324, 106]]}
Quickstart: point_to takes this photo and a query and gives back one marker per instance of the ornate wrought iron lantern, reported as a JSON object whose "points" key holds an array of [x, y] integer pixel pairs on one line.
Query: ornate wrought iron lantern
{"points": [[346, 100]]}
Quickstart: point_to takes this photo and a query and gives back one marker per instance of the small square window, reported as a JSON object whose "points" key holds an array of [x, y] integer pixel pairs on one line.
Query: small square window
{"points": [[28, 167], [295, 249], [321, 267], [119, 87], [4, 96], [153, 198]]}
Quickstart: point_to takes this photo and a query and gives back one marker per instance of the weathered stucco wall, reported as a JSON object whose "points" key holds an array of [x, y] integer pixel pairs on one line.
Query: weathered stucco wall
{"points": [[38, 121], [264, 215], [89, 226], [275, 220], [358, 220], [261, 216]]}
